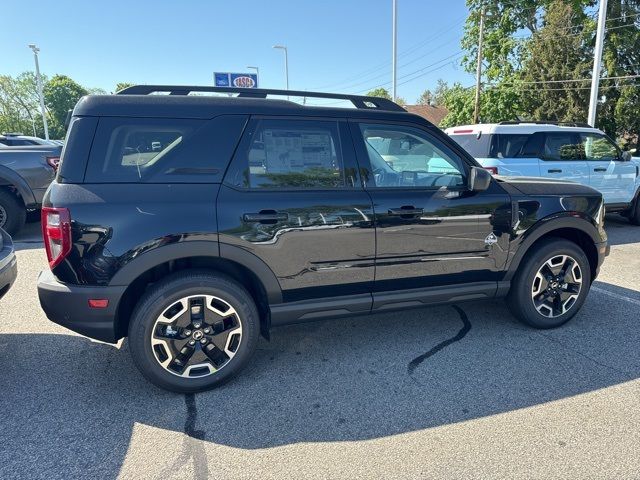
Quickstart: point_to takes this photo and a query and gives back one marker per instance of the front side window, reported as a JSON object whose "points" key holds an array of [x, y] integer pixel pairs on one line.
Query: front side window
{"points": [[598, 147], [562, 146], [403, 156], [292, 154]]}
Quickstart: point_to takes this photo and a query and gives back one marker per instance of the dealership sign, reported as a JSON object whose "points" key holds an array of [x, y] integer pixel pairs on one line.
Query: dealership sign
{"points": [[242, 80]]}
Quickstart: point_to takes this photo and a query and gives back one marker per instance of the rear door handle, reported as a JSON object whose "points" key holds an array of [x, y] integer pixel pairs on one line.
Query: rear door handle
{"points": [[406, 210], [554, 170], [266, 216], [600, 169]]}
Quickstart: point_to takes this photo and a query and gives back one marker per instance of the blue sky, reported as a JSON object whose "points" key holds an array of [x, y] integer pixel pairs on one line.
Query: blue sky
{"points": [[334, 45]]}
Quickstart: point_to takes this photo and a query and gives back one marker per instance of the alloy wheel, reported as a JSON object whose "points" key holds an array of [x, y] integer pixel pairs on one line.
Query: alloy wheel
{"points": [[556, 286], [196, 336]]}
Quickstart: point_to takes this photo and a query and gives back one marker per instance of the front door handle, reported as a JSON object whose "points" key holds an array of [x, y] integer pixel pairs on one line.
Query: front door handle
{"points": [[600, 169], [554, 170], [266, 216], [407, 210]]}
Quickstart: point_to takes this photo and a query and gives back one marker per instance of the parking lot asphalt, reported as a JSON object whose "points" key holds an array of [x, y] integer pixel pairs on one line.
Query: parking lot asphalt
{"points": [[460, 391]]}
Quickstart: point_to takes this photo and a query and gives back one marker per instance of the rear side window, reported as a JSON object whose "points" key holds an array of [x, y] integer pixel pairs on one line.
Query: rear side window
{"points": [[290, 154], [477, 145], [507, 145], [134, 150]]}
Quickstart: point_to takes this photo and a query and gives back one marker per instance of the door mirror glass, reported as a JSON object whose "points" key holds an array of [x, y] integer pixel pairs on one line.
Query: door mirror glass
{"points": [[626, 156], [479, 179]]}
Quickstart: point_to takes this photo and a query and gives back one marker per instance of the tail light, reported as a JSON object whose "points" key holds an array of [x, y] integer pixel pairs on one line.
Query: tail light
{"points": [[53, 162], [56, 231], [493, 170]]}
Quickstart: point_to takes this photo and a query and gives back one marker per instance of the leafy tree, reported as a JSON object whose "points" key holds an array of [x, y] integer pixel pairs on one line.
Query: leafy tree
{"points": [[379, 92], [123, 85], [61, 94], [19, 104], [554, 61], [436, 97], [497, 104]]}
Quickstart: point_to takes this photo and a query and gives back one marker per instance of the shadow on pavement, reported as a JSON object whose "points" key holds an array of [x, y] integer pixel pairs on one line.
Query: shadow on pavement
{"points": [[69, 404], [620, 231]]}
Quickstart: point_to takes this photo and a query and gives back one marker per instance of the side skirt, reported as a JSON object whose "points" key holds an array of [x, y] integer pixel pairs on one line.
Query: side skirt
{"points": [[350, 305]]}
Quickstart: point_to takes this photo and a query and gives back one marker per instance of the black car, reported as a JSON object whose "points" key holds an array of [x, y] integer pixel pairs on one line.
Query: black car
{"points": [[8, 263], [193, 224]]}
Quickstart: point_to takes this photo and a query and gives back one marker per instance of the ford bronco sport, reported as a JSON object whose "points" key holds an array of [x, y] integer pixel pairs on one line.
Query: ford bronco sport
{"points": [[191, 224]]}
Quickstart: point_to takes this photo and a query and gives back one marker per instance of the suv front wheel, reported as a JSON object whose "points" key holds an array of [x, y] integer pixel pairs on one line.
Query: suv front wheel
{"points": [[193, 331], [551, 285]]}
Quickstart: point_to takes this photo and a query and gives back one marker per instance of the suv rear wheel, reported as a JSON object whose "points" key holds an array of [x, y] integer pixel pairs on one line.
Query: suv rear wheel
{"points": [[12, 212], [193, 331], [551, 285]]}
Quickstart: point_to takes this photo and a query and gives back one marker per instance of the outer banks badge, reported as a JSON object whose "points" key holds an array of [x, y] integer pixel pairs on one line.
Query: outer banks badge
{"points": [[491, 239]]}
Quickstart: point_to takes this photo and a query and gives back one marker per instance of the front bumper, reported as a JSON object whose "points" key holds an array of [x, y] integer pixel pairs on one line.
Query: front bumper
{"points": [[8, 264], [68, 305], [603, 250]]}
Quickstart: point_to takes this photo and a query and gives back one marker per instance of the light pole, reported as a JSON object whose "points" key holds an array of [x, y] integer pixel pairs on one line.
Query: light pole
{"points": [[394, 51], [286, 64], [597, 63], [257, 75], [35, 49]]}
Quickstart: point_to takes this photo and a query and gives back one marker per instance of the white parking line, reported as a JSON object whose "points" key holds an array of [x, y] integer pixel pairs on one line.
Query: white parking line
{"points": [[616, 295]]}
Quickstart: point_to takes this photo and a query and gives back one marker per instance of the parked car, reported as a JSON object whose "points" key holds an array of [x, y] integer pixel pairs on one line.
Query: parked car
{"points": [[8, 263], [20, 140], [575, 152], [193, 251], [25, 174]]}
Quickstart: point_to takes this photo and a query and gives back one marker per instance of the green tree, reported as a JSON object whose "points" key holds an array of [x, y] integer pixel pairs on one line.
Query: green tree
{"points": [[61, 94], [554, 57], [379, 92], [19, 105], [435, 97], [123, 85]]}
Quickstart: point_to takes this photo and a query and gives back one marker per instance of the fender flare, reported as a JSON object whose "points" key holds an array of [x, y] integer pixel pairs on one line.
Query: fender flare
{"points": [[545, 226], [10, 177], [197, 248]]}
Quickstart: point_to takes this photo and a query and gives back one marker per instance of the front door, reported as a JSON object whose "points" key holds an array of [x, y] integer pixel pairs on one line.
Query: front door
{"points": [[609, 174], [430, 229], [293, 198]]}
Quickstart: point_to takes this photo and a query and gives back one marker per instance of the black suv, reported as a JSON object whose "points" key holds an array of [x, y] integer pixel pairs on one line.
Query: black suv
{"points": [[192, 224]]}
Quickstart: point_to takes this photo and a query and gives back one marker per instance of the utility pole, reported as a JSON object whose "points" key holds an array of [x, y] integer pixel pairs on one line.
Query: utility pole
{"points": [[394, 52], [40, 94], [597, 63], [476, 110], [257, 75]]}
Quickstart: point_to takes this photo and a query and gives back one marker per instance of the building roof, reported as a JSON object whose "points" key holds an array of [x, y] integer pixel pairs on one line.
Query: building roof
{"points": [[434, 114]]}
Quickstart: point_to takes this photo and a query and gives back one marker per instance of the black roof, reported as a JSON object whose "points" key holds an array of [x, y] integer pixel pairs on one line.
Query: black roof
{"points": [[204, 107]]}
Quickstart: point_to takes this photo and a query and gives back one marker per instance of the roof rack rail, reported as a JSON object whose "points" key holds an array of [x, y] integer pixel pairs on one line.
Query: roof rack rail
{"points": [[359, 101], [547, 122]]}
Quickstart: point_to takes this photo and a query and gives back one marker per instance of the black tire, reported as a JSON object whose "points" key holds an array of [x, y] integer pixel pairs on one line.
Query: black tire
{"points": [[166, 293], [520, 298], [634, 213], [12, 212]]}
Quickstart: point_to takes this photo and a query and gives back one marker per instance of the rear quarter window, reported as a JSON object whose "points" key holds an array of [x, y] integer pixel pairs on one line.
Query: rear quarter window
{"points": [[143, 150], [476, 145]]}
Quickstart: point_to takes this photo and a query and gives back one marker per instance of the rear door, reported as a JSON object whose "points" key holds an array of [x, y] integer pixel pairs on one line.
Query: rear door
{"points": [[561, 157], [293, 198], [609, 174]]}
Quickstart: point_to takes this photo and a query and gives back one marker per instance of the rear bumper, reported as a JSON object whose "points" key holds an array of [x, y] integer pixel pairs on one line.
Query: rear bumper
{"points": [[8, 271], [68, 305]]}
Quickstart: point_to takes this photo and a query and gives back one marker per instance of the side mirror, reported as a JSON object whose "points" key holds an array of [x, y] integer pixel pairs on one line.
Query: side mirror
{"points": [[626, 156], [479, 179]]}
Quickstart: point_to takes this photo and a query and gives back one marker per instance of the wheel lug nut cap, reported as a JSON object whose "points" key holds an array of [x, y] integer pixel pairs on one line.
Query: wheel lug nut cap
{"points": [[192, 342], [203, 341], [207, 330], [187, 332]]}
